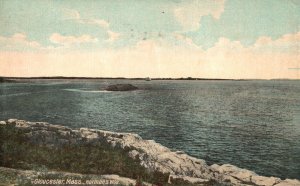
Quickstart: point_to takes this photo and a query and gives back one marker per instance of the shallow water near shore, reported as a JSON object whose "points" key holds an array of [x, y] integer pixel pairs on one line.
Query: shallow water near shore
{"points": [[250, 124]]}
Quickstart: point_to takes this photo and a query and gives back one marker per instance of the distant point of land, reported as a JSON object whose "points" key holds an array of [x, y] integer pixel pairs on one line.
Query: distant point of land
{"points": [[17, 79], [5, 80], [100, 78]]}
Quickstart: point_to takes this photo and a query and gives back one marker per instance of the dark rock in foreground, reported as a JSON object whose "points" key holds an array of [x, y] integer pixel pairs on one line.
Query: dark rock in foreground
{"points": [[85, 149], [121, 87]]}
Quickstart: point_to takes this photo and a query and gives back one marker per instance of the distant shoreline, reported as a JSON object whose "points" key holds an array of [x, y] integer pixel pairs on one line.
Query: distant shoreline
{"points": [[10, 79]]}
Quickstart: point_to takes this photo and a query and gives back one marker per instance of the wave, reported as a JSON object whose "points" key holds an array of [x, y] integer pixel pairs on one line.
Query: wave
{"points": [[22, 93], [16, 94], [92, 91]]}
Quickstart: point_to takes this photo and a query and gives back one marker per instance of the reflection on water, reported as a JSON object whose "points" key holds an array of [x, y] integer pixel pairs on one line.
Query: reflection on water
{"points": [[251, 124]]}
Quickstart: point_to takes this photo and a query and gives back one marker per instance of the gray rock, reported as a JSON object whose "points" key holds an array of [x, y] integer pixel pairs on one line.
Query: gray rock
{"points": [[266, 181], [133, 154], [2, 123], [152, 155], [21, 124], [189, 179], [289, 182], [11, 121]]}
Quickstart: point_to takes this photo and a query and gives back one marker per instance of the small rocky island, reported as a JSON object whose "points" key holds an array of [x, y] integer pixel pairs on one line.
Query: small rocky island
{"points": [[121, 87], [37, 152]]}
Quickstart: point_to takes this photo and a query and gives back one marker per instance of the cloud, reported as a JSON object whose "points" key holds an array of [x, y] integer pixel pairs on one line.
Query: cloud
{"points": [[99, 22], [161, 58], [17, 41], [189, 13], [266, 58], [75, 15], [287, 43], [246, 21], [70, 40], [185, 41], [112, 36]]}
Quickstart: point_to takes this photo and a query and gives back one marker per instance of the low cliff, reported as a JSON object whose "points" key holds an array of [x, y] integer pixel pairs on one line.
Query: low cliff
{"points": [[32, 145]]}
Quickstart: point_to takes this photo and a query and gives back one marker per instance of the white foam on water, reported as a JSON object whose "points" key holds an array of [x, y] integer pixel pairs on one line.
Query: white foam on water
{"points": [[92, 91]]}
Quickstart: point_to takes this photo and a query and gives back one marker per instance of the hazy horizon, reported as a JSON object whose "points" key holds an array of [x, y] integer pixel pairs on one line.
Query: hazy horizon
{"points": [[128, 78], [221, 39]]}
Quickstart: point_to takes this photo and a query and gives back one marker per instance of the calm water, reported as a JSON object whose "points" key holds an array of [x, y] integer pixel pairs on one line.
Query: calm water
{"points": [[251, 124]]}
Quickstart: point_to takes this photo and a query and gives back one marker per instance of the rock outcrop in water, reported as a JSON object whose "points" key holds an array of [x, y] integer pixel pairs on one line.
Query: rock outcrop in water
{"points": [[121, 87], [181, 168]]}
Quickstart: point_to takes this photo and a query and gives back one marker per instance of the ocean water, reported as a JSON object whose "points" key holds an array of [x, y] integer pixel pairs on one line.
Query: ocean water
{"points": [[251, 124]]}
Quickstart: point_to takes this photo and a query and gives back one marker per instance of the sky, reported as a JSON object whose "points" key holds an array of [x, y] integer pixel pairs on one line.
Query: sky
{"points": [[239, 39]]}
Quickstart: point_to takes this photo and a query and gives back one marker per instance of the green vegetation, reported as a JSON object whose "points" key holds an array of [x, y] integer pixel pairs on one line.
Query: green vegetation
{"points": [[19, 177], [17, 152]]}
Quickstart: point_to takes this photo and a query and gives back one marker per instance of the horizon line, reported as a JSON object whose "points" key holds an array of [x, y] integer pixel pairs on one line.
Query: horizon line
{"points": [[139, 78]]}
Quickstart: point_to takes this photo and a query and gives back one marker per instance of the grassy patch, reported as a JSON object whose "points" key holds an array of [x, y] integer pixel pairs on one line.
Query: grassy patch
{"points": [[17, 152]]}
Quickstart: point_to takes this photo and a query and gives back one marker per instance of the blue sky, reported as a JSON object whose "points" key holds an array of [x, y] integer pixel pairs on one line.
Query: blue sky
{"points": [[131, 29], [246, 21]]}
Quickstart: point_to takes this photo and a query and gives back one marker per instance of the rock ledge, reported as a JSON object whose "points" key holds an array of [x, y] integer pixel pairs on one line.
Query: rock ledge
{"points": [[150, 154]]}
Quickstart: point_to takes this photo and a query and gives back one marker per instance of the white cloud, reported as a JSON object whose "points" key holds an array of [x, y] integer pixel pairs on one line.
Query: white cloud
{"points": [[189, 13], [70, 40], [287, 43], [186, 41], [18, 40], [99, 22], [75, 15], [267, 58], [160, 58], [112, 36]]}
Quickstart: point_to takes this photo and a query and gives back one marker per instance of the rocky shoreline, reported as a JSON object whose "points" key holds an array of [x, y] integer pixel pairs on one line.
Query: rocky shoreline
{"points": [[159, 163]]}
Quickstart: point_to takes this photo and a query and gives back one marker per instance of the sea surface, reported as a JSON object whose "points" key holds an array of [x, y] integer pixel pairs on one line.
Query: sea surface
{"points": [[250, 124]]}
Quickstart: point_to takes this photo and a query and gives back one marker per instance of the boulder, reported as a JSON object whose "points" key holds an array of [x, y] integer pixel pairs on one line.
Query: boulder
{"points": [[2, 123], [266, 181], [121, 87], [289, 182], [12, 121]]}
